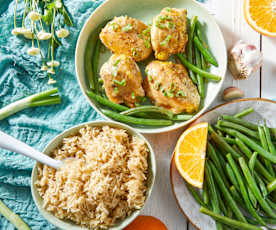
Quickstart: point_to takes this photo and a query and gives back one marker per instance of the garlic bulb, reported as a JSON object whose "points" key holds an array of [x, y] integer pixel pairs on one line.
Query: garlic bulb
{"points": [[244, 59]]}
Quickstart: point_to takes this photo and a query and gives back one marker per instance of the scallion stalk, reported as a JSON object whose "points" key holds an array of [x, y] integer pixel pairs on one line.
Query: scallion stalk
{"points": [[44, 98]]}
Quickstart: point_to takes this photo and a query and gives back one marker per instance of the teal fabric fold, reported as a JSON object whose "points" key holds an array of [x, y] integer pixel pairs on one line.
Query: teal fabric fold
{"points": [[20, 77]]}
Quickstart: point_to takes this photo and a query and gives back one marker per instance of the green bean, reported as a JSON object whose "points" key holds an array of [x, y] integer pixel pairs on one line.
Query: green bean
{"points": [[205, 52], [148, 109], [252, 144], [271, 146], [195, 194], [228, 221], [106, 102], [227, 211], [229, 140], [190, 47], [202, 73], [247, 124], [238, 127], [267, 221], [134, 120], [200, 82], [232, 176], [272, 204], [243, 189], [96, 63], [261, 184], [271, 186], [220, 133], [259, 167], [205, 194], [215, 158], [253, 186], [252, 198], [213, 193], [227, 195], [182, 117], [89, 52], [237, 197], [221, 142], [244, 113], [252, 161]]}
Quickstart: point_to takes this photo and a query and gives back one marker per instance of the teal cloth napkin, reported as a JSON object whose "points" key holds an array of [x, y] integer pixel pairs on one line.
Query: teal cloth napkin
{"points": [[20, 77]]}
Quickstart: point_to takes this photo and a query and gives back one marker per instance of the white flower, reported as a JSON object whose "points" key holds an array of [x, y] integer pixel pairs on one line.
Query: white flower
{"points": [[18, 30], [42, 35], [33, 51], [27, 33], [51, 81], [62, 33], [44, 67], [58, 4], [34, 16], [51, 71], [53, 63]]}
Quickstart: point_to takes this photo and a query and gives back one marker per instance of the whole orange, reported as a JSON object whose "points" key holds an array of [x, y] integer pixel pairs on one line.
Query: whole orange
{"points": [[146, 223]]}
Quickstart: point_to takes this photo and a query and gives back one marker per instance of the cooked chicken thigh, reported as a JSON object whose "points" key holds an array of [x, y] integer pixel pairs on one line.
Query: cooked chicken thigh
{"points": [[129, 36], [169, 33], [168, 85], [122, 80]]}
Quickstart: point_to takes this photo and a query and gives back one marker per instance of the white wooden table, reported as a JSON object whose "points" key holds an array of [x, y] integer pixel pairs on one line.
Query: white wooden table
{"points": [[229, 15]]}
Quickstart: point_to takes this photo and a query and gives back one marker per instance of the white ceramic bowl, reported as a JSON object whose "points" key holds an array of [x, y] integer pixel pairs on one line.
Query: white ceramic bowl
{"points": [[68, 225], [145, 10], [264, 110]]}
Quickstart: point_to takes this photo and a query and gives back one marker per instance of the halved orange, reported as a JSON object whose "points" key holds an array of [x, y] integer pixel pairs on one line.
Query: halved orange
{"points": [[190, 154], [261, 16]]}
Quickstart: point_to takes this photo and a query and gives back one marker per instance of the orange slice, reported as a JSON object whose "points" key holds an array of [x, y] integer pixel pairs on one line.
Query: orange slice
{"points": [[190, 154], [261, 16]]}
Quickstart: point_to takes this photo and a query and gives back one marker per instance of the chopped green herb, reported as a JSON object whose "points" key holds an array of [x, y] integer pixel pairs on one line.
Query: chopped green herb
{"points": [[141, 36], [168, 9], [115, 26], [150, 78], [116, 62], [157, 85], [163, 18], [166, 41], [100, 80], [180, 93], [146, 32], [147, 43], [169, 94], [127, 28], [115, 90], [134, 52], [121, 83], [172, 87], [150, 24], [171, 25], [133, 96], [164, 92], [115, 71], [160, 25]]}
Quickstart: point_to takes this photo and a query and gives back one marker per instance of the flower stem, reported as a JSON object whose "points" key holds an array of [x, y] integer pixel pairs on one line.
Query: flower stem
{"points": [[15, 8]]}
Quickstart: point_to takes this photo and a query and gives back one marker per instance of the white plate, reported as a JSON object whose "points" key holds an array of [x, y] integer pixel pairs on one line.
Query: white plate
{"points": [[145, 10], [264, 110]]}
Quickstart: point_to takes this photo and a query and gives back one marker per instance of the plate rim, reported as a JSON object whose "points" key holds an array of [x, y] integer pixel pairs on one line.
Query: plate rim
{"points": [[151, 130], [191, 124]]}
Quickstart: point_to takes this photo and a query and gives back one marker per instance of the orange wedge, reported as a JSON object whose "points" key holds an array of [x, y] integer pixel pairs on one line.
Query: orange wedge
{"points": [[190, 154], [261, 16]]}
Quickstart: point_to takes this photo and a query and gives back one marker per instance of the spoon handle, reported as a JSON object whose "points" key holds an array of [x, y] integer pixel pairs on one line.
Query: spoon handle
{"points": [[10, 143]]}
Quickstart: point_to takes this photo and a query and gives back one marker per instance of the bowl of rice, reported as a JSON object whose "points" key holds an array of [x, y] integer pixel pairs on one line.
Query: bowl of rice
{"points": [[108, 176]]}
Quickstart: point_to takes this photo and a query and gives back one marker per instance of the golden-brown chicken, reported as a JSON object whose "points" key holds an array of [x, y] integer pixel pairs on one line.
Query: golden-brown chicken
{"points": [[168, 85], [169, 33], [129, 36], [122, 80]]}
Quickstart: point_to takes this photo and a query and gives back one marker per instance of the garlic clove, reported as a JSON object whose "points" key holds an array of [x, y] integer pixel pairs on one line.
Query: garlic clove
{"points": [[232, 93], [244, 59]]}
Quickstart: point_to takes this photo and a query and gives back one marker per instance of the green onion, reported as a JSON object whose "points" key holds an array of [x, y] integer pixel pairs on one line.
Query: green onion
{"points": [[13, 218], [134, 52], [165, 42], [115, 26], [168, 9], [160, 25], [172, 87], [150, 78], [116, 62], [147, 43], [171, 25], [146, 32], [133, 96], [127, 28], [39, 99], [170, 95], [116, 90], [157, 85], [121, 83], [180, 93]]}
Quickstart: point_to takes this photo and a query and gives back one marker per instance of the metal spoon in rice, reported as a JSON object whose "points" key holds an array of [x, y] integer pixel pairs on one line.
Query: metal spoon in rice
{"points": [[10, 143]]}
